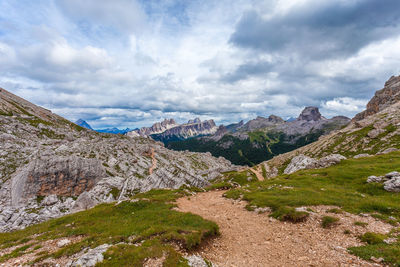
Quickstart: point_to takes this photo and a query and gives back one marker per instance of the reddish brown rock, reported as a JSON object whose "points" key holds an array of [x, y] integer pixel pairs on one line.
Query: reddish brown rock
{"points": [[383, 98]]}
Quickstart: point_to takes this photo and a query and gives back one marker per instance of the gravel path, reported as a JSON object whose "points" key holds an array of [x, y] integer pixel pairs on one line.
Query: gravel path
{"points": [[251, 239], [258, 174]]}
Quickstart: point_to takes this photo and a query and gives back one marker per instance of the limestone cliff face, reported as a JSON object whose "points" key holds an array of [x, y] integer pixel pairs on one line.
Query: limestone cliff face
{"points": [[192, 128], [156, 128], [62, 176], [383, 98], [170, 130]]}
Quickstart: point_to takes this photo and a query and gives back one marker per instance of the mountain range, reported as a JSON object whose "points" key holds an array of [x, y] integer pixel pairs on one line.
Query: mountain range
{"points": [[113, 130], [262, 138]]}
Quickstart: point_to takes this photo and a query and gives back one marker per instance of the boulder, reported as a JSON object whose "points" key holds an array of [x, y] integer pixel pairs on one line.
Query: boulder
{"points": [[390, 175], [330, 160], [303, 162], [374, 179], [298, 163], [84, 202], [50, 200], [392, 185]]}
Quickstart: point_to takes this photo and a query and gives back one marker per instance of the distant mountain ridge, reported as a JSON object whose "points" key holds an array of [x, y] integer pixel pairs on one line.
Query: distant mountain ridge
{"points": [[83, 124], [262, 138], [168, 130], [113, 130]]}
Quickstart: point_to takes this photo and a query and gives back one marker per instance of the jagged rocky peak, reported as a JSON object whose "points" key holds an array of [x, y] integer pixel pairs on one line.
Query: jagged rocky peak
{"points": [[275, 119], [168, 122], [84, 124], [196, 120], [382, 99], [310, 114]]}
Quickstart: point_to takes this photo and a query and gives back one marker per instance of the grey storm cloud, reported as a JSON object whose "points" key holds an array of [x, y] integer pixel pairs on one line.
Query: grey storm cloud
{"points": [[130, 63], [248, 69], [320, 30]]}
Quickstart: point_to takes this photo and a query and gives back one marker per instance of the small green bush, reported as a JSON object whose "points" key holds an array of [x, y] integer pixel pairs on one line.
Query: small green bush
{"points": [[290, 214], [335, 210], [329, 221], [372, 238], [363, 224]]}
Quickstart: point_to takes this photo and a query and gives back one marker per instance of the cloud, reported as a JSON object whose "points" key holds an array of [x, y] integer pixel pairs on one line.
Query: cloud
{"points": [[323, 29], [131, 63], [121, 15], [344, 105]]}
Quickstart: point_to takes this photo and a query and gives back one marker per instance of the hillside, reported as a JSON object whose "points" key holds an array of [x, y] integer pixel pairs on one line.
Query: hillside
{"points": [[50, 166], [261, 139], [379, 132]]}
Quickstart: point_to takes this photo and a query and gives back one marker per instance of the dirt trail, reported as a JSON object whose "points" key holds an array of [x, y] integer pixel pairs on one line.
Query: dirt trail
{"points": [[251, 239], [153, 161], [258, 174]]}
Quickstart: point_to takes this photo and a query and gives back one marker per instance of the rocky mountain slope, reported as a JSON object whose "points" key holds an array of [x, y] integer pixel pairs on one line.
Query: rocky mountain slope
{"points": [[375, 130], [263, 138], [50, 166]]}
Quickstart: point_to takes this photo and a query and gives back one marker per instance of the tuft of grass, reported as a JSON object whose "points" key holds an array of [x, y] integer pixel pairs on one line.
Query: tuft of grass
{"points": [[290, 214], [335, 210], [115, 192], [362, 224], [347, 232], [372, 238], [329, 221]]}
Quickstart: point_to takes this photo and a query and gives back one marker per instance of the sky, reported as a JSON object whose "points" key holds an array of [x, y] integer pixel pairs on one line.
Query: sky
{"points": [[130, 63]]}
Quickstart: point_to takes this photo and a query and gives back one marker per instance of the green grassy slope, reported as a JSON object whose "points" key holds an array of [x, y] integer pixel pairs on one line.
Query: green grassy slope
{"points": [[150, 220]]}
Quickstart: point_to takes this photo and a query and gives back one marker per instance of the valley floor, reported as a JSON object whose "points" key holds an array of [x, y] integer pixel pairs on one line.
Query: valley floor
{"points": [[251, 239]]}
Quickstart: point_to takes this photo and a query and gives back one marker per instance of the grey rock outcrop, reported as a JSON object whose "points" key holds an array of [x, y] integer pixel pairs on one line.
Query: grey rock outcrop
{"points": [[375, 179], [392, 185], [391, 181], [299, 163], [303, 162], [90, 258]]}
